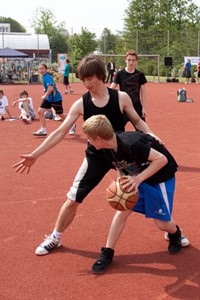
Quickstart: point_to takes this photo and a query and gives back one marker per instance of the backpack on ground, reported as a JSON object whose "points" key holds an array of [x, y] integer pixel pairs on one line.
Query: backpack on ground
{"points": [[182, 95]]}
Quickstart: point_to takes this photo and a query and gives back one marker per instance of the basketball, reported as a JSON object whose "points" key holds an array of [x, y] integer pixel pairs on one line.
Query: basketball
{"points": [[119, 198], [48, 114]]}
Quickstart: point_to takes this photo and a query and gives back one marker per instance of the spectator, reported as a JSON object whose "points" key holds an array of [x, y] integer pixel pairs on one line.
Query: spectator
{"points": [[25, 104], [4, 106], [188, 70], [68, 88], [111, 70]]}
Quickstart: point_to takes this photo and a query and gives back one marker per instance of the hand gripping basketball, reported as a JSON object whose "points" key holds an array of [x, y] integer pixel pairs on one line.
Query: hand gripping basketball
{"points": [[119, 198]]}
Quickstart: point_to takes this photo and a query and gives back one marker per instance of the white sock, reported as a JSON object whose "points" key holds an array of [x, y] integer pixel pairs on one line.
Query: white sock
{"points": [[43, 129], [56, 234]]}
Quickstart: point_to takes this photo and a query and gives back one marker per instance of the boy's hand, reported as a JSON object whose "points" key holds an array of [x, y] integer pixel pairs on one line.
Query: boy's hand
{"points": [[26, 163]]}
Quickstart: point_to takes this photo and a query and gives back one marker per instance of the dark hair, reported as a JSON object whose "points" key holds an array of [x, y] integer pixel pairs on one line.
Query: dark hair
{"points": [[1, 91], [89, 66], [24, 93]]}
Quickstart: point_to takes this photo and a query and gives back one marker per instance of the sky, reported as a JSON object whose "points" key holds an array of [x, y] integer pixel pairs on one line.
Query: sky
{"points": [[95, 15]]}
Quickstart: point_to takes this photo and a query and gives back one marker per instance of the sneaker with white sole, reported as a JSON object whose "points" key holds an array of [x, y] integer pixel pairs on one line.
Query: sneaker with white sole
{"points": [[50, 243], [40, 132], [184, 241], [72, 131]]}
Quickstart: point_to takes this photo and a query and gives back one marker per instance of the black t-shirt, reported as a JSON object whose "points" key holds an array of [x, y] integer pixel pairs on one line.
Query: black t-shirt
{"points": [[131, 84], [132, 156]]}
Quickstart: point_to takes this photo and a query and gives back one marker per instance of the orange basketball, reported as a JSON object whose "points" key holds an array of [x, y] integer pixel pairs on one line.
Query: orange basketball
{"points": [[120, 199]]}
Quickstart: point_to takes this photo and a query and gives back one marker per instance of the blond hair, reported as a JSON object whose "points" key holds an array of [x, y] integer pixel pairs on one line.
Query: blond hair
{"points": [[98, 125]]}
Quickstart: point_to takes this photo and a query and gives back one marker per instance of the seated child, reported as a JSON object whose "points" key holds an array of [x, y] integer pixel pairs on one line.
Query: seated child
{"points": [[25, 105], [3, 106]]}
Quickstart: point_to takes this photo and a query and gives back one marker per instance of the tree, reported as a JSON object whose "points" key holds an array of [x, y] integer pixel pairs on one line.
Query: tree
{"points": [[44, 22], [107, 42], [168, 28], [82, 44], [15, 26]]}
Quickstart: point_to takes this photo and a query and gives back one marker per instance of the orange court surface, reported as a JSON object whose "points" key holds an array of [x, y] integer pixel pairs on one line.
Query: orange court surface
{"points": [[142, 268]]}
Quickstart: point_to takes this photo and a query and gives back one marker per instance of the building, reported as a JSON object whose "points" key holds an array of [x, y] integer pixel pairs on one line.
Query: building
{"points": [[35, 45]]}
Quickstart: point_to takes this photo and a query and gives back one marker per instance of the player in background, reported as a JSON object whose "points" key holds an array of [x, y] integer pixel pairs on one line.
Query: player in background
{"points": [[132, 81]]}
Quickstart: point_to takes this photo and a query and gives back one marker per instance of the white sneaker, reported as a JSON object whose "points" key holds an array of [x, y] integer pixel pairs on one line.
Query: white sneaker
{"points": [[184, 241], [50, 243], [72, 131], [40, 132], [56, 118]]}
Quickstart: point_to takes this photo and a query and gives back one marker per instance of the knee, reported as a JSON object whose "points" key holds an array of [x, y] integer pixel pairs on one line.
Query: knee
{"points": [[70, 204], [40, 112], [121, 216]]}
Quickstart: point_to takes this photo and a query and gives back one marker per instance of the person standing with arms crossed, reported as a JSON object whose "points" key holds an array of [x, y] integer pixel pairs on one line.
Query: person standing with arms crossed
{"points": [[132, 81], [98, 100]]}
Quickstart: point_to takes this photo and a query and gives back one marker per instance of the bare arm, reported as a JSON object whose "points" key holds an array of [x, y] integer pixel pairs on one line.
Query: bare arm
{"points": [[113, 85], [48, 92], [21, 100], [8, 112], [52, 140], [127, 106], [143, 100], [158, 161]]}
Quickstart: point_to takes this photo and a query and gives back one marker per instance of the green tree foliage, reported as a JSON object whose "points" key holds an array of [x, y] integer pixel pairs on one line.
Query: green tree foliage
{"points": [[44, 22], [161, 27], [15, 26], [167, 28], [82, 44], [107, 42]]}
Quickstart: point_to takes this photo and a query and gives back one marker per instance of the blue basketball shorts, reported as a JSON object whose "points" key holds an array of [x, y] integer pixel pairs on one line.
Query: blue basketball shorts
{"points": [[156, 201]]}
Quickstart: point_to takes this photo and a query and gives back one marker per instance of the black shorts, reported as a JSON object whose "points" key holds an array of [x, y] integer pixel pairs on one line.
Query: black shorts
{"points": [[66, 80], [56, 105], [91, 172], [188, 74]]}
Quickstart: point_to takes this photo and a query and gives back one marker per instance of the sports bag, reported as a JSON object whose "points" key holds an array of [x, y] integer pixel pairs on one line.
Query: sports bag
{"points": [[182, 95]]}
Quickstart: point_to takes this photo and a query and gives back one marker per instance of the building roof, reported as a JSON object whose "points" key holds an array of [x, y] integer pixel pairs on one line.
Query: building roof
{"points": [[24, 41]]}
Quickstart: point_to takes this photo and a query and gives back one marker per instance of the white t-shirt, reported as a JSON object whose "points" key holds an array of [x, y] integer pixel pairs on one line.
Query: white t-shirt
{"points": [[30, 107], [3, 104], [30, 104]]}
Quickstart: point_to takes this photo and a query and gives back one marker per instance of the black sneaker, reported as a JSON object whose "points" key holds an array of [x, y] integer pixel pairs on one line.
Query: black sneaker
{"points": [[104, 260], [174, 242]]}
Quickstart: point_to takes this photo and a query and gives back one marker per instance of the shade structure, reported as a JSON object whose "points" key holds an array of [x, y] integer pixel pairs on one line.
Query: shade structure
{"points": [[8, 52]]}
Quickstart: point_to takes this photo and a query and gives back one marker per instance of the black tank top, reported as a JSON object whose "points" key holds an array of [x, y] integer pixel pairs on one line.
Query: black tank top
{"points": [[111, 110]]}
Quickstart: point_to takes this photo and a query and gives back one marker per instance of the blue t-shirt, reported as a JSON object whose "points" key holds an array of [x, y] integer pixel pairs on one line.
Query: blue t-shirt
{"points": [[188, 66], [55, 96]]}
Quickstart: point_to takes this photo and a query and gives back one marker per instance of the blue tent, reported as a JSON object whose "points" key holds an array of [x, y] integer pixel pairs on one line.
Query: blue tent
{"points": [[8, 52]]}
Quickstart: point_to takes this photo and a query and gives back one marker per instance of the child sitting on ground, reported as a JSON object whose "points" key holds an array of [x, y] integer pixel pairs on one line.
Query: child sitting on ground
{"points": [[25, 105], [3, 106]]}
